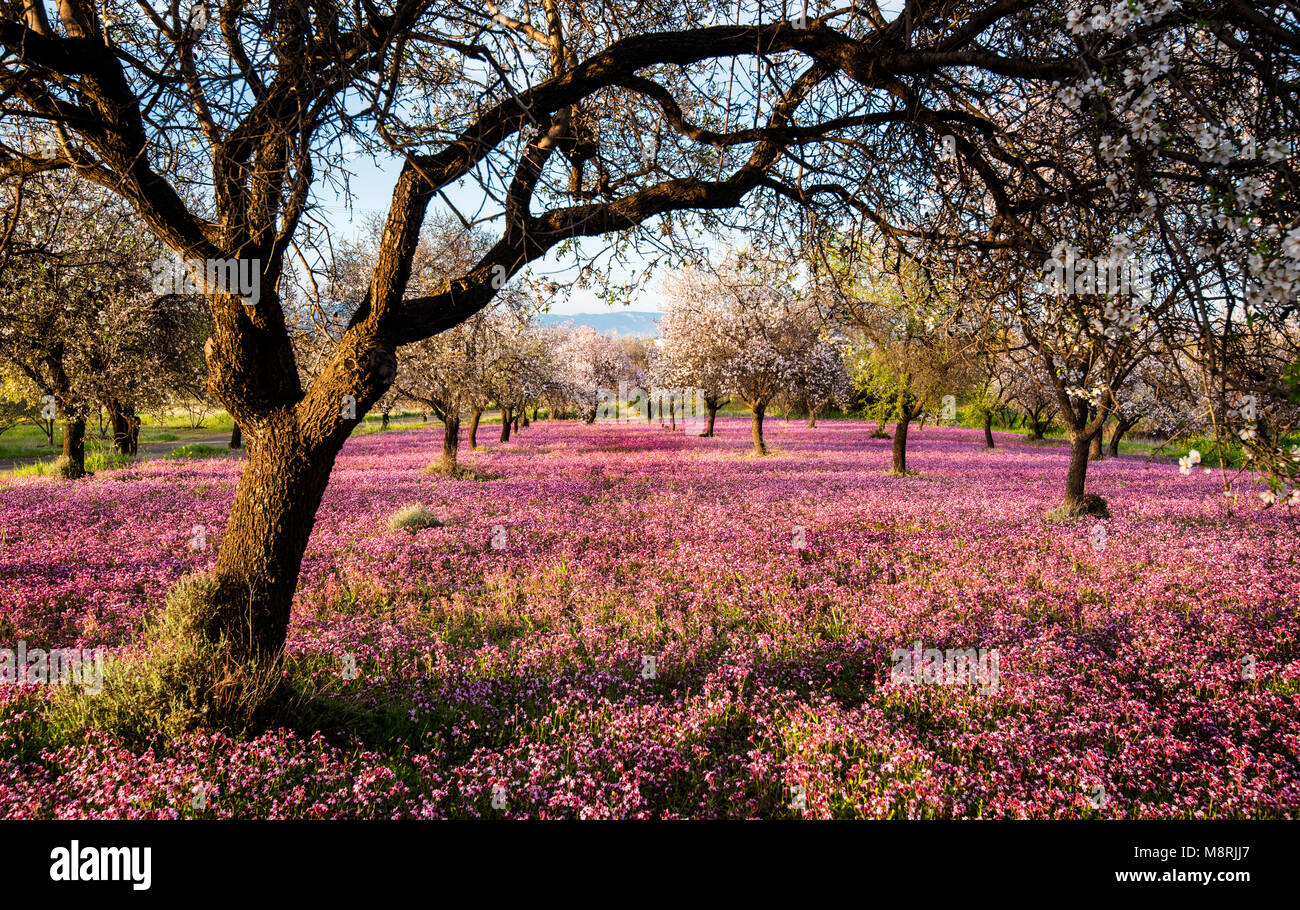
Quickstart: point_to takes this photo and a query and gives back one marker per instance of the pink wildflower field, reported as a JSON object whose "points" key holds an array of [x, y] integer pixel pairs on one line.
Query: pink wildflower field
{"points": [[625, 622]]}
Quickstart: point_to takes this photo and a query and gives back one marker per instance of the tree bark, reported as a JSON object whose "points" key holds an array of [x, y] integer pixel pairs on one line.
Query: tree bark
{"points": [[450, 442], [236, 437], [988, 429], [126, 428], [1077, 477], [1122, 426], [713, 413], [473, 428], [74, 446], [265, 537], [756, 427], [900, 443], [812, 419], [505, 424], [1095, 452], [1039, 427], [383, 417]]}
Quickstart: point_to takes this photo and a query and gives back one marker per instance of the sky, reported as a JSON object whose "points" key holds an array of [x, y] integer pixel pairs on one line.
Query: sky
{"points": [[372, 187]]}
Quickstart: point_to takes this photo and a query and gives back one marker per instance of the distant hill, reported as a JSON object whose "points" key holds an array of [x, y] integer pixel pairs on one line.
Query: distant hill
{"points": [[614, 322]]}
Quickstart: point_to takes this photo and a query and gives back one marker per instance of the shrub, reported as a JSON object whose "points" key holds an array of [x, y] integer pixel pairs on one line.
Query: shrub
{"points": [[186, 677], [459, 472], [413, 518]]}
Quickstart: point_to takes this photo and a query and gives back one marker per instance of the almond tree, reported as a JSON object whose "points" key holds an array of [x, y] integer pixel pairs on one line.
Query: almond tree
{"points": [[694, 348], [223, 129], [592, 366], [79, 318]]}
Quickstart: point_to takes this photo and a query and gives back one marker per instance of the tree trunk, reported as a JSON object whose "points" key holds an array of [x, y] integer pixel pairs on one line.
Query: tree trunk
{"points": [[756, 426], [473, 428], [535, 410], [900, 443], [1122, 426], [1039, 426], [236, 437], [505, 424], [988, 429], [812, 419], [450, 442], [265, 537], [126, 428], [74, 447], [383, 418], [713, 413], [1094, 447], [1077, 476]]}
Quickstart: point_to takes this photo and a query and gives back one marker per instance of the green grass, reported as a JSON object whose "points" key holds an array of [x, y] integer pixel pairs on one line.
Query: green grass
{"points": [[197, 450], [96, 460]]}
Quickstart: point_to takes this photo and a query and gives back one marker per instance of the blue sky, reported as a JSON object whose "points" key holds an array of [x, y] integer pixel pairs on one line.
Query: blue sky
{"points": [[372, 187]]}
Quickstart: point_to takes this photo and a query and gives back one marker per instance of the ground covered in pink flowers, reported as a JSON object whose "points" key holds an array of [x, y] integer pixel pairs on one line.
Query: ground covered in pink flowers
{"points": [[1154, 675]]}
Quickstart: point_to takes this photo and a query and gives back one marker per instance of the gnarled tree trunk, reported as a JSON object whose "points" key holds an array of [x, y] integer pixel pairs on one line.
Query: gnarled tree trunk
{"points": [[988, 429], [265, 537]]}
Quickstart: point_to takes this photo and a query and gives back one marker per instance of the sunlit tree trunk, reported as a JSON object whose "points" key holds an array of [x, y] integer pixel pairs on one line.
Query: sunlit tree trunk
{"points": [[900, 443], [74, 446]]}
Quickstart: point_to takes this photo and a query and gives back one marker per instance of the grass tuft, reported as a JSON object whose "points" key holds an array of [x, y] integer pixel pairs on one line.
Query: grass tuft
{"points": [[413, 518]]}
